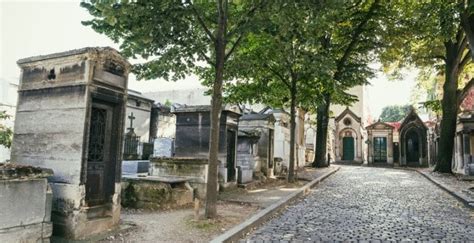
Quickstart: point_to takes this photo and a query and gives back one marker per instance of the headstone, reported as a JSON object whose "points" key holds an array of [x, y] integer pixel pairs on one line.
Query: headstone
{"points": [[130, 167], [163, 147], [70, 118]]}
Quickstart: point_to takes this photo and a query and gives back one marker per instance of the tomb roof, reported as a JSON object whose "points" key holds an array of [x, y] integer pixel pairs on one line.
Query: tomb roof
{"points": [[72, 53], [10, 171]]}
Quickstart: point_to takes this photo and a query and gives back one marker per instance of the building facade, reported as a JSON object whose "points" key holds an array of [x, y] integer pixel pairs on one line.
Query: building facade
{"points": [[347, 137]]}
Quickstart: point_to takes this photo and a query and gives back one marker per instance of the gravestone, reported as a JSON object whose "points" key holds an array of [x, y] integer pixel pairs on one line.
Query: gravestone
{"points": [[163, 147], [247, 154], [70, 118]]}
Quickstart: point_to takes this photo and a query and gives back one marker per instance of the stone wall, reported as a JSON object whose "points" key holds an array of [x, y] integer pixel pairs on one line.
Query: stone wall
{"points": [[25, 203]]}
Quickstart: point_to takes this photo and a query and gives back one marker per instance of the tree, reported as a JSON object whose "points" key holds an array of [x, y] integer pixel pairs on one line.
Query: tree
{"points": [[177, 38], [394, 113], [467, 22], [281, 64], [433, 37], [351, 42], [6, 133]]}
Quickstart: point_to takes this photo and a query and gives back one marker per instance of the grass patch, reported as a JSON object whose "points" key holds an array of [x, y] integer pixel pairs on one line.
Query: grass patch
{"points": [[203, 224]]}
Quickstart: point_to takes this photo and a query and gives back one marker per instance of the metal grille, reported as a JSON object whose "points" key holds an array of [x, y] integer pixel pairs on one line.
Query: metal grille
{"points": [[97, 134], [147, 150], [130, 146]]}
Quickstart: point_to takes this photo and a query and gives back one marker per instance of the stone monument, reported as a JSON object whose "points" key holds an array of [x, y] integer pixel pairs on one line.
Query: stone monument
{"points": [[70, 118]]}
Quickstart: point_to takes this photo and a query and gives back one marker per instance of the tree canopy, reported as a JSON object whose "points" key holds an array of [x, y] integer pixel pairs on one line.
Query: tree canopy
{"points": [[176, 38], [394, 113]]}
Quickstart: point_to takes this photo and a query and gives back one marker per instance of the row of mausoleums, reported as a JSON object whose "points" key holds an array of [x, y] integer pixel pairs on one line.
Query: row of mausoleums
{"points": [[415, 143], [405, 143], [74, 117]]}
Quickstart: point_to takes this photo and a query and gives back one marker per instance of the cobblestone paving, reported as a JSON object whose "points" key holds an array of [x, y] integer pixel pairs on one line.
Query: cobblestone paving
{"points": [[376, 204]]}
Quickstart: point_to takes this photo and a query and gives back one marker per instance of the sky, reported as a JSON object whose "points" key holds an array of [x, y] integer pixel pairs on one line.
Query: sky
{"points": [[30, 28]]}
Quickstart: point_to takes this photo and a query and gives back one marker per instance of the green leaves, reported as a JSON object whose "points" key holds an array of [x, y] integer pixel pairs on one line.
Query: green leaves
{"points": [[6, 133], [394, 113]]}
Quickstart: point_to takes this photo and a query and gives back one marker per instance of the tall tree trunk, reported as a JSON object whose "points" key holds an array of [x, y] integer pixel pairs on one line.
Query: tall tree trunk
{"points": [[449, 108], [467, 22], [216, 109], [291, 169], [322, 122]]}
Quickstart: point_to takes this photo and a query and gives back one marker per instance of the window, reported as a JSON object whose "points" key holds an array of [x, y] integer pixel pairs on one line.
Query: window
{"points": [[347, 121]]}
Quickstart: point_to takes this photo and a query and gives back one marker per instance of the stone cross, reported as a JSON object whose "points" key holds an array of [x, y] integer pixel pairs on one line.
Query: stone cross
{"points": [[131, 117]]}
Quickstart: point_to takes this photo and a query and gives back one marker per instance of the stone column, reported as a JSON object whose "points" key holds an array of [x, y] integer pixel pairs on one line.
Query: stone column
{"points": [[390, 147]]}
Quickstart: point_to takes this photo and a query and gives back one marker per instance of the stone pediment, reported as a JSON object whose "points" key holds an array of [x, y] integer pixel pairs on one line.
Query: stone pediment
{"points": [[379, 126], [348, 112], [412, 119]]}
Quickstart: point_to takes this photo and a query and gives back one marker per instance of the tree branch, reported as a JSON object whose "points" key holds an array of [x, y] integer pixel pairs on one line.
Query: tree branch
{"points": [[462, 93], [201, 21], [279, 75], [236, 43], [468, 30], [461, 46], [354, 39], [465, 60], [208, 60], [243, 21]]}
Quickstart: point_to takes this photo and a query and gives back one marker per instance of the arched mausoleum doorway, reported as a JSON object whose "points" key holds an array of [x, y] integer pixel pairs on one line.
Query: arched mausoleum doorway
{"points": [[413, 141], [348, 144], [349, 137], [412, 147]]}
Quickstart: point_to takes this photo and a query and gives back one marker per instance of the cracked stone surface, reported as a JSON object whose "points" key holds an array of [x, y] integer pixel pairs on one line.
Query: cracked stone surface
{"points": [[371, 204]]}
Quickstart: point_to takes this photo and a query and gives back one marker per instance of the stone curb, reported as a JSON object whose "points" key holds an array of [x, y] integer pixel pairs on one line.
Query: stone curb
{"points": [[467, 201], [237, 232]]}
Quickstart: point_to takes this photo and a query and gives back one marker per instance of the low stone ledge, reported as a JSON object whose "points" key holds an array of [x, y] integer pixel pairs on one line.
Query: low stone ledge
{"points": [[11, 171], [180, 160]]}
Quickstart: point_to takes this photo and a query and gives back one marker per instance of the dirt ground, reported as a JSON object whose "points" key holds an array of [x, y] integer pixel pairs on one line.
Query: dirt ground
{"points": [[179, 225], [234, 206]]}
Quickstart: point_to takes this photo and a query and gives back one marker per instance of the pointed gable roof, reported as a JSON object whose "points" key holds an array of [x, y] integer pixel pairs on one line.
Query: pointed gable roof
{"points": [[345, 112], [412, 117]]}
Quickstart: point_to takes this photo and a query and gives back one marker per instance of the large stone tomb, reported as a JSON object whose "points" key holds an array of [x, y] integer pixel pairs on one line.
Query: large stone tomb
{"points": [[192, 137], [70, 118]]}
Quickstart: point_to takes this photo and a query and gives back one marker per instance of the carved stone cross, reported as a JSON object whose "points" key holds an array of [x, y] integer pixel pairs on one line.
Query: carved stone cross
{"points": [[131, 117]]}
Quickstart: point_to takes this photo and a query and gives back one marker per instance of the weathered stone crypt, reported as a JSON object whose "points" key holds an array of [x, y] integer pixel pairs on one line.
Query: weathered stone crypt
{"points": [[70, 118]]}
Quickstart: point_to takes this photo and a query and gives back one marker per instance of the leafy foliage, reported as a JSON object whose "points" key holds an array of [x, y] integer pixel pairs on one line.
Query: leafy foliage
{"points": [[177, 38], [394, 113], [6, 133]]}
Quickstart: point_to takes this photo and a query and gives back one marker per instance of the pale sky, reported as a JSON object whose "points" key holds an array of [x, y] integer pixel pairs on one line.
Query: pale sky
{"points": [[30, 28]]}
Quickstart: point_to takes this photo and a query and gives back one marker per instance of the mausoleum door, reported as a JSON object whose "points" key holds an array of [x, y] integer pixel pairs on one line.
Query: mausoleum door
{"points": [[270, 149], [380, 149], [412, 147], [231, 146], [348, 148], [99, 153]]}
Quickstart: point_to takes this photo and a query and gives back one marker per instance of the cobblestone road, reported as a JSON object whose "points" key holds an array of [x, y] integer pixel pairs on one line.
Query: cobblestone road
{"points": [[361, 204]]}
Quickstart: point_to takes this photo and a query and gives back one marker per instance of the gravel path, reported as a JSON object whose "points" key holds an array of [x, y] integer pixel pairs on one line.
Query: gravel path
{"points": [[363, 203], [179, 225]]}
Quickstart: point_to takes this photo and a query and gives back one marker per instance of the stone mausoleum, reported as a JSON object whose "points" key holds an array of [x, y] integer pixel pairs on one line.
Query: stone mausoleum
{"points": [[70, 118], [193, 131], [380, 143], [264, 124]]}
